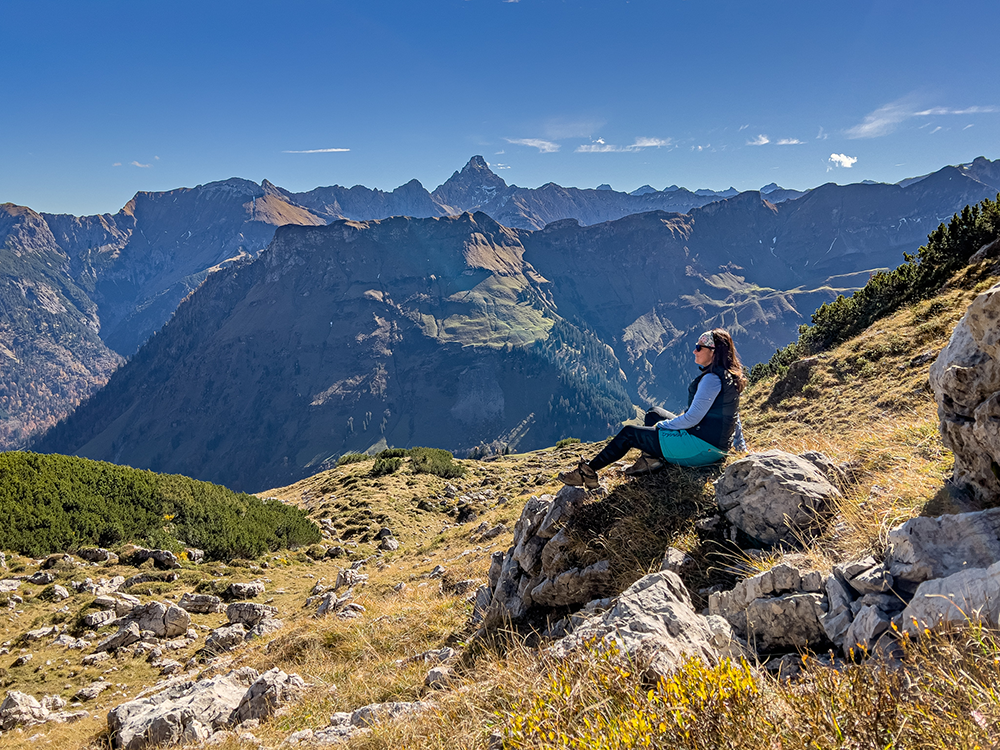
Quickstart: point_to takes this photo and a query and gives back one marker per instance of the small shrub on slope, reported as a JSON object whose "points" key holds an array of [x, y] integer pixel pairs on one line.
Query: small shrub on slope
{"points": [[947, 250], [384, 466], [435, 461], [352, 458]]}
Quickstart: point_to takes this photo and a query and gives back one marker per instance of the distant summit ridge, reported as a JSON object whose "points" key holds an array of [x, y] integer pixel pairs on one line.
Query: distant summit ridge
{"points": [[474, 186]]}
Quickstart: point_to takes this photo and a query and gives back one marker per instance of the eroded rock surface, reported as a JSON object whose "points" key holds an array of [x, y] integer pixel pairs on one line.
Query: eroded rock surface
{"points": [[775, 497], [654, 623], [966, 382]]}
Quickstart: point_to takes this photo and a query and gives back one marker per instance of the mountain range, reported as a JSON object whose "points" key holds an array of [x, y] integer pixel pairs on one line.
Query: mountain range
{"points": [[80, 294], [459, 331]]}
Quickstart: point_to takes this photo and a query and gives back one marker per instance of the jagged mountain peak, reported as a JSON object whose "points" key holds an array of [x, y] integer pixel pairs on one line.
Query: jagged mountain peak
{"points": [[475, 185]]}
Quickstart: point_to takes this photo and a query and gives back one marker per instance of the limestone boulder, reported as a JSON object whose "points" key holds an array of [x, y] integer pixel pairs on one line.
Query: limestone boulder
{"points": [[965, 379], [162, 558], [225, 638], [202, 604], [187, 712], [654, 623], [539, 569], [969, 595], [775, 497], [240, 591], [21, 710], [866, 628], [272, 689], [925, 548], [163, 619], [787, 622], [249, 613]]}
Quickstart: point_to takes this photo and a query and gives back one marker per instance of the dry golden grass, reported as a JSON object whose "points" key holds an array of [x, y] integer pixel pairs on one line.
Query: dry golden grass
{"points": [[866, 403]]}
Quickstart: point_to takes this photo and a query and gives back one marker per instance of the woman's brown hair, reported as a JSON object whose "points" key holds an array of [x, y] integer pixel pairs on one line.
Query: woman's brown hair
{"points": [[726, 358]]}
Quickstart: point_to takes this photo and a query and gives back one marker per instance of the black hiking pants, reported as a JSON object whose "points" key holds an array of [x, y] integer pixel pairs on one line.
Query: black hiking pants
{"points": [[645, 438]]}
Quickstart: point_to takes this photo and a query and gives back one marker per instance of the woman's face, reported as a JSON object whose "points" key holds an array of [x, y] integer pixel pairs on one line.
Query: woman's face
{"points": [[703, 356]]}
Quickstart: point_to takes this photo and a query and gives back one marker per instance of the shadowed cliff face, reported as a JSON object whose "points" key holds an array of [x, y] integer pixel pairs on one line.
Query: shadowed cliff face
{"points": [[406, 332], [51, 356]]}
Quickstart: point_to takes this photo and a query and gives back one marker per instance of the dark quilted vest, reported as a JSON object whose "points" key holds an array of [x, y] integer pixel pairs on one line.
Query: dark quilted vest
{"points": [[719, 424]]}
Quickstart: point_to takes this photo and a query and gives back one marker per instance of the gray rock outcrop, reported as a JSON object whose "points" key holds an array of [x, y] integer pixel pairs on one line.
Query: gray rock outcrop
{"points": [[925, 548], [201, 604], [775, 497], [187, 712], [20, 709], [269, 691], [163, 619], [240, 591], [965, 379], [249, 613], [162, 558], [969, 595], [778, 609], [653, 623], [540, 569]]}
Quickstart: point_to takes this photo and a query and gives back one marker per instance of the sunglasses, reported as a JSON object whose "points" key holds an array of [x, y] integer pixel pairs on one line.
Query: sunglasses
{"points": [[699, 347]]}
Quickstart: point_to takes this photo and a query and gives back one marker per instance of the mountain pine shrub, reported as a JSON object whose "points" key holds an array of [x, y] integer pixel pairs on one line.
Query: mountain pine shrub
{"points": [[386, 465], [52, 503], [923, 273], [435, 461], [352, 458]]}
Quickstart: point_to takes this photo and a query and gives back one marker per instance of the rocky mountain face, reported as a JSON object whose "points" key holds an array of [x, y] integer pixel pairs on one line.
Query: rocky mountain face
{"points": [[404, 331], [51, 355], [457, 331], [123, 275]]}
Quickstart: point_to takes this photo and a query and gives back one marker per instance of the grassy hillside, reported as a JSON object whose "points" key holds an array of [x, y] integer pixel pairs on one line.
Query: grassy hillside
{"points": [[862, 400]]}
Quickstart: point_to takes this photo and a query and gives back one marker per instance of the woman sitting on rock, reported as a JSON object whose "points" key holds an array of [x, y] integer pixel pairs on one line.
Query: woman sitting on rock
{"points": [[700, 436]]}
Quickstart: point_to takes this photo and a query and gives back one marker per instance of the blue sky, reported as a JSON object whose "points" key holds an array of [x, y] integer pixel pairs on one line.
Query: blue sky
{"points": [[103, 99]]}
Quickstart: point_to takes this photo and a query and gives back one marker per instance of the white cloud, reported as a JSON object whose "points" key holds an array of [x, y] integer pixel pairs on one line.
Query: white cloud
{"points": [[499, 166], [600, 147], [967, 126], [946, 111], [822, 135], [760, 140], [318, 151], [888, 117], [842, 160], [650, 142], [544, 147], [137, 164], [935, 130], [116, 164], [156, 158], [743, 127], [789, 142]]}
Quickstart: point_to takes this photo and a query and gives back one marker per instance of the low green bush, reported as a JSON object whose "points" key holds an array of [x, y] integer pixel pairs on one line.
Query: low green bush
{"points": [[392, 453], [384, 466], [567, 441], [52, 503], [435, 461], [352, 458]]}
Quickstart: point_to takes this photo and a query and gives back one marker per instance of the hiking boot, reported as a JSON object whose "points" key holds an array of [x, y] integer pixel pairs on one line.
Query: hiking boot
{"points": [[581, 476], [646, 464]]}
